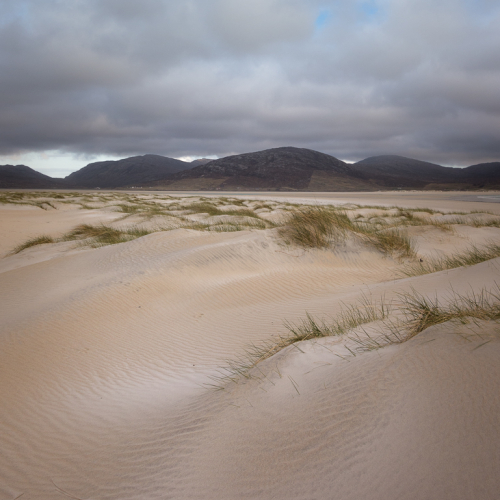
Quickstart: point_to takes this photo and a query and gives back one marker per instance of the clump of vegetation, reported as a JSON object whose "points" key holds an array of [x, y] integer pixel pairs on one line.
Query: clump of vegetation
{"points": [[393, 242], [420, 312], [94, 236], [38, 240], [204, 207], [315, 227], [102, 235], [306, 226], [211, 209], [414, 313], [319, 227], [145, 209], [23, 198], [469, 257], [349, 318], [226, 227]]}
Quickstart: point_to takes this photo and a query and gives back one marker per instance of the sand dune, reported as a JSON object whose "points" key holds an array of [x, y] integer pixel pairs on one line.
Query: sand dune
{"points": [[106, 354]]}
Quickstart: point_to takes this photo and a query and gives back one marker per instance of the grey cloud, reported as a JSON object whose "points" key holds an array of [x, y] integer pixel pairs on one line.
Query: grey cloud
{"points": [[244, 25], [190, 77]]}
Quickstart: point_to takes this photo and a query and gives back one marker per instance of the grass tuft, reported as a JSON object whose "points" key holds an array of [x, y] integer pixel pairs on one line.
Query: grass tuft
{"points": [[470, 257], [393, 242], [419, 313], [414, 313], [39, 240], [320, 227], [102, 235], [422, 312], [349, 318], [315, 227]]}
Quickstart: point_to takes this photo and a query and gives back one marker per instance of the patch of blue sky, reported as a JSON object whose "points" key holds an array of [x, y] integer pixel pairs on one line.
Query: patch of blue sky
{"points": [[366, 12], [481, 11], [14, 11], [370, 11], [323, 18]]}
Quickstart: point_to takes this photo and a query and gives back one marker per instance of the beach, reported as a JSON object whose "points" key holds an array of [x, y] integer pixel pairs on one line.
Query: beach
{"points": [[118, 361]]}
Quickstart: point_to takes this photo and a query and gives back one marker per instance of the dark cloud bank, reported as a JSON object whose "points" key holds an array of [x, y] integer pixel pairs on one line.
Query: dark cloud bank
{"points": [[191, 77]]}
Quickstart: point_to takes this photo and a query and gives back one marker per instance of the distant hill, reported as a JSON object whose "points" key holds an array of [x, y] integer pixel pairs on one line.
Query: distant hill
{"points": [[287, 168], [200, 161], [273, 169], [23, 177], [134, 171], [393, 171], [482, 175]]}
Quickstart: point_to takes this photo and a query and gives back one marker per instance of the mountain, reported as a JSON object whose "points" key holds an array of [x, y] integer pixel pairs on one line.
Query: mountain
{"points": [[482, 175], [23, 177], [134, 171], [398, 171], [286, 168], [273, 169], [200, 161]]}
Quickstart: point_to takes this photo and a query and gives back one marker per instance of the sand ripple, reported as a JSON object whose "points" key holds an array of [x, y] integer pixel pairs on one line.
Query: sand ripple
{"points": [[105, 353]]}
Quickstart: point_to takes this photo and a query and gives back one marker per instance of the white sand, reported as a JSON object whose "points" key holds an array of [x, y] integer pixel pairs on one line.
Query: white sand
{"points": [[104, 354]]}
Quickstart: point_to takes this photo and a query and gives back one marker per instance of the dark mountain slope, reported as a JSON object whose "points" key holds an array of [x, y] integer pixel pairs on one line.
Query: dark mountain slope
{"points": [[278, 168], [23, 177], [200, 161], [398, 171], [482, 175], [132, 171], [272, 169]]}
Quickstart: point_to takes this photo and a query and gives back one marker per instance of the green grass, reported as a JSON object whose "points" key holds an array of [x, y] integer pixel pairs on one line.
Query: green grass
{"points": [[38, 240], [101, 235], [244, 212], [213, 209], [27, 199], [349, 318], [420, 312], [202, 207], [392, 242], [236, 226], [315, 227], [145, 209], [85, 206], [322, 227], [306, 226], [414, 313], [469, 257], [94, 236]]}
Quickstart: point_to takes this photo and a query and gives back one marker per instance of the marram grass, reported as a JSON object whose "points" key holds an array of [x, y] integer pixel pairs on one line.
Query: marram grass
{"points": [[322, 227], [38, 240], [419, 312], [101, 235], [400, 321], [469, 257], [349, 318]]}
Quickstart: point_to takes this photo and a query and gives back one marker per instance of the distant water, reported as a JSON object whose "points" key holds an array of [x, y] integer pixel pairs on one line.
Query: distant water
{"points": [[490, 199]]}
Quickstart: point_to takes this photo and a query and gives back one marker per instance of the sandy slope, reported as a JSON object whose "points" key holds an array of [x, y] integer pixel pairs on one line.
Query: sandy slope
{"points": [[105, 353]]}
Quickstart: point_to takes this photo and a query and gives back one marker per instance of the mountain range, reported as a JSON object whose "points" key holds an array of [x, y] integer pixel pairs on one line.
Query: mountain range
{"points": [[286, 169]]}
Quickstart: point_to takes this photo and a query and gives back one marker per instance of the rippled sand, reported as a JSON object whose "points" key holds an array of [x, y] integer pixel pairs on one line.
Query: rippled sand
{"points": [[106, 353]]}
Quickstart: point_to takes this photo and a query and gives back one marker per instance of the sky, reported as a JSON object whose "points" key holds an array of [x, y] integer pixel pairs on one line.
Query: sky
{"points": [[88, 80]]}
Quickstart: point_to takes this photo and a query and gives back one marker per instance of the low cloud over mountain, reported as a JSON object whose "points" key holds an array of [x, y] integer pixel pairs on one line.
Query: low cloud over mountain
{"points": [[352, 79], [285, 168]]}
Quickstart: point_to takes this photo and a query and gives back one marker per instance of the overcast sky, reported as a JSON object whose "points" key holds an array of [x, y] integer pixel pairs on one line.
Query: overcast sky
{"points": [[85, 80]]}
